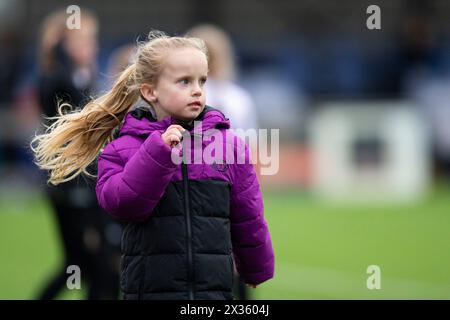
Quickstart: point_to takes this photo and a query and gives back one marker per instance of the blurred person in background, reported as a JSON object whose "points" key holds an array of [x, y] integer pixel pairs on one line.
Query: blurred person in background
{"points": [[224, 94], [120, 59], [91, 240], [425, 79]]}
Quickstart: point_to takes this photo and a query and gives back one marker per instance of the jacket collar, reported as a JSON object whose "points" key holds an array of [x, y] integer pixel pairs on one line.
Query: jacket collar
{"points": [[141, 121]]}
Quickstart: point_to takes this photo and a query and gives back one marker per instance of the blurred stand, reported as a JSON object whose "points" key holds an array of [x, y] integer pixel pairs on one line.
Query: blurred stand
{"points": [[12, 164], [91, 239]]}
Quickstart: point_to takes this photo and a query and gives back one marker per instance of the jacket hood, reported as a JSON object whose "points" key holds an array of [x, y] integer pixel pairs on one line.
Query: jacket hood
{"points": [[141, 122]]}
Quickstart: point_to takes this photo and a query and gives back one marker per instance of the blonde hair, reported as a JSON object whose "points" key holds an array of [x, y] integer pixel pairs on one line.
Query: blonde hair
{"points": [[75, 138]]}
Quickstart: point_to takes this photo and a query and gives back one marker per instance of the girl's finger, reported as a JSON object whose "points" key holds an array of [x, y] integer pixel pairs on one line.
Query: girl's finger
{"points": [[175, 132], [174, 138], [176, 126]]}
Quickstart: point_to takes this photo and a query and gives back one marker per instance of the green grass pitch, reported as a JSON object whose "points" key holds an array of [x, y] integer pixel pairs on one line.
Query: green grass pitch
{"points": [[322, 250]]}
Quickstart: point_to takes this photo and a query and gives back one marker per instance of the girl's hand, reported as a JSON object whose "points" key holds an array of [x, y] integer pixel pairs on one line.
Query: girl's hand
{"points": [[251, 285], [173, 135]]}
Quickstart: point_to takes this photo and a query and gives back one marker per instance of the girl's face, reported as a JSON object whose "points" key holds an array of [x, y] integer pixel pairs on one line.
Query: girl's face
{"points": [[179, 91]]}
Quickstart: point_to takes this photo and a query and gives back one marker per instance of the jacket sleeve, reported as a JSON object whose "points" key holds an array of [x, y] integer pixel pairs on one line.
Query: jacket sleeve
{"points": [[131, 190], [252, 246]]}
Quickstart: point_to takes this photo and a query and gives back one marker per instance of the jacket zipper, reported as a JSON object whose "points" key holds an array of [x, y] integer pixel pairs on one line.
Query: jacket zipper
{"points": [[189, 229]]}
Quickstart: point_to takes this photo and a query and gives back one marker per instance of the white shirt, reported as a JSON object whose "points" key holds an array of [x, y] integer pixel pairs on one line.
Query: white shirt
{"points": [[234, 102]]}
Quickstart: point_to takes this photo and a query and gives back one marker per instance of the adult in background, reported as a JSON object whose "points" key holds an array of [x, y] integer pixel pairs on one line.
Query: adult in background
{"points": [[90, 238]]}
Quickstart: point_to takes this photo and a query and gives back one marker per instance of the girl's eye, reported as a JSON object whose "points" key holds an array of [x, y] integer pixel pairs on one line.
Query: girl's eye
{"points": [[184, 81]]}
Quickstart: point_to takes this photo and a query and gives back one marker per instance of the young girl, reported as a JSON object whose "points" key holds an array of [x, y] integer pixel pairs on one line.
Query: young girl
{"points": [[186, 221]]}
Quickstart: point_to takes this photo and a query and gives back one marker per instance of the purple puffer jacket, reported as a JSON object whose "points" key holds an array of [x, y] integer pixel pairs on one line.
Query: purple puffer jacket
{"points": [[134, 170]]}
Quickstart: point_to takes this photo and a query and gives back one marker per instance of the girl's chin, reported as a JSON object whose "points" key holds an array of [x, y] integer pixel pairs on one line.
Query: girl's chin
{"points": [[189, 113], [194, 111], [195, 108]]}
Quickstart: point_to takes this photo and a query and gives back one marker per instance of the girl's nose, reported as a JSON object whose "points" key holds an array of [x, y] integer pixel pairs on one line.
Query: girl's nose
{"points": [[196, 91]]}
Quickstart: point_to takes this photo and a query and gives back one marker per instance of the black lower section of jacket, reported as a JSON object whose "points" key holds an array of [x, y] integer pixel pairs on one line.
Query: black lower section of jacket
{"points": [[181, 252]]}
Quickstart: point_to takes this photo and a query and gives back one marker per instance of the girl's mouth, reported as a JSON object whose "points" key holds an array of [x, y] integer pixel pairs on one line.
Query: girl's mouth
{"points": [[195, 104]]}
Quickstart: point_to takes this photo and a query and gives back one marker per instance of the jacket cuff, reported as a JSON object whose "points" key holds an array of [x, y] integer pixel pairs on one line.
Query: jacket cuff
{"points": [[158, 150], [257, 278]]}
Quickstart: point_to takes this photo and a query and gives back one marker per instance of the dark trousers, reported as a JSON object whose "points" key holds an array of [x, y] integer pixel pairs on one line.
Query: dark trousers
{"points": [[85, 232]]}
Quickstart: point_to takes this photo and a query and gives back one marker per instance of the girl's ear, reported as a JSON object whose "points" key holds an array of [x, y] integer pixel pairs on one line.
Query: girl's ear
{"points": [[148, 92]]}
